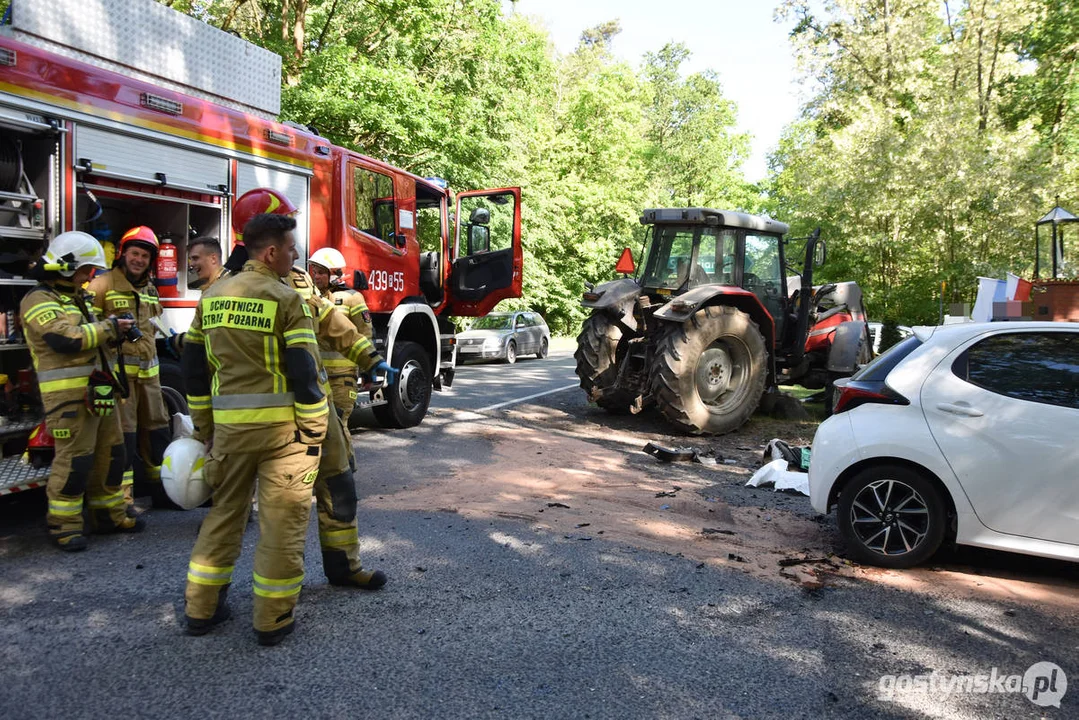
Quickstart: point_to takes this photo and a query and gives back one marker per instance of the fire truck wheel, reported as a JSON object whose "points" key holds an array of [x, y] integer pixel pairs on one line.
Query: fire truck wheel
{"points": [[597, 367], [408, 398], [708, 373]]}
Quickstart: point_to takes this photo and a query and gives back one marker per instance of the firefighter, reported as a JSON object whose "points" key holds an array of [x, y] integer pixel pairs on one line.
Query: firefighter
{"points": [[335, 488], [248, 205], [78, 390], [251, 370], [127, 290], [204, 257], [327, 267]]}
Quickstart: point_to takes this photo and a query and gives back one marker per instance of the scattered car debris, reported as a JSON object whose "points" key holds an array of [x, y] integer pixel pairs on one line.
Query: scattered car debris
{"points": [[666, 454], [776, 474], [581, 525], [736, 558], [557, 504], [716, 531], [777, 449], [665, 493]]}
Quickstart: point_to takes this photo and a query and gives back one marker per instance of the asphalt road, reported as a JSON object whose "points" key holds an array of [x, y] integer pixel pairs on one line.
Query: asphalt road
{"points": [[491, 618]]}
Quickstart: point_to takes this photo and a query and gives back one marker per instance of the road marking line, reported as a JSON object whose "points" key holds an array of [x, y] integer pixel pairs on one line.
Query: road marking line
{"points": [[529, 397]]}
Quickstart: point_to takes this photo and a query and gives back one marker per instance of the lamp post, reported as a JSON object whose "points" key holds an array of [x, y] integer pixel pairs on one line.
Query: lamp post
{"points": [[1057, 219]]}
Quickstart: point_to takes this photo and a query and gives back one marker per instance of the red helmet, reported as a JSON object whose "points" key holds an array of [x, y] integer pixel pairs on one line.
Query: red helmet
{"points": [[256, 202], [140, 236]]}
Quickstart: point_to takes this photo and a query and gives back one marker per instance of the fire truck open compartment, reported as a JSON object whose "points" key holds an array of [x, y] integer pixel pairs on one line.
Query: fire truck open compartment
{"points": [[28, 167], [107, 212]]}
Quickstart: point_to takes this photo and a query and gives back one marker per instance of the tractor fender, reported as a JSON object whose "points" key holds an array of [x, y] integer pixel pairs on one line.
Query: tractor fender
{"points": [[608, 295], [681, 308], [846, 346]]}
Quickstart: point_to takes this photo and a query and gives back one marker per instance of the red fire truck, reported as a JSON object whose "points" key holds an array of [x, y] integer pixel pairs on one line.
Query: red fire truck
{"points": [[124, 112]]}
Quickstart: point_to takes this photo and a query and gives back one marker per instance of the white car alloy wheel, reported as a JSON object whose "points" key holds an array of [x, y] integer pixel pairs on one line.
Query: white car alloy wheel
{"points": [[511, 352], [891, 516]]}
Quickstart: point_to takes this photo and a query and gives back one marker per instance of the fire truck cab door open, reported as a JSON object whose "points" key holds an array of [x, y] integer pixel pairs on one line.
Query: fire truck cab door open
{"points": [[487, 250]]}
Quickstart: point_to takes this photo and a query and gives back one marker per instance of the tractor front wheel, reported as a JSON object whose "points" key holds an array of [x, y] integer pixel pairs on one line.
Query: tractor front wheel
{"points": [[709, 372], [597, 365]]}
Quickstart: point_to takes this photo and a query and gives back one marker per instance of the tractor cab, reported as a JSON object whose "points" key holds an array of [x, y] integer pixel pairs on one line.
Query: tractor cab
{"points": [[690, 248]]}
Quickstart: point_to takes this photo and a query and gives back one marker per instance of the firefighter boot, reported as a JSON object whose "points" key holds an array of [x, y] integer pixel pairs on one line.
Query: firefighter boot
{"points": [[69, 543], [269, 638], [364, 579], [197, 627]]}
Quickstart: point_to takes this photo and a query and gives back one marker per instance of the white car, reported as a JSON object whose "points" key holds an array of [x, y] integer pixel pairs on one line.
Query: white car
{"points": [[966, 432]]}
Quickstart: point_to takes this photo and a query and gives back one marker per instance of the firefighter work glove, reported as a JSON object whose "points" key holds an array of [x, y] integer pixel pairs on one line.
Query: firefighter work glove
{"points": [[390, 372], [174, 343], [100, 394]]}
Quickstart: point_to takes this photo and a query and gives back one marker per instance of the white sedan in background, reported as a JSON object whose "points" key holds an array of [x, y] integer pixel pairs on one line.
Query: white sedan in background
{"points": [[966, 432]]}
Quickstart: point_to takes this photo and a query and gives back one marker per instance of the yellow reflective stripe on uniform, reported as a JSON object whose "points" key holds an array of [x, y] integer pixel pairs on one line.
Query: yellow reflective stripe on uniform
{"points": [[312, 410], [257, 415], [302, 336], [198, 402], [129, 478], [215, 365], [193, 335], [149, 299], [106, 501], [40, 309], [69, 384], [91, 335], [117, 295], [339, 538], [324, 312], [272, 358], [356, 309], [65, 507], [150, 372], [276, 588], [208, 574], [361, 346]]}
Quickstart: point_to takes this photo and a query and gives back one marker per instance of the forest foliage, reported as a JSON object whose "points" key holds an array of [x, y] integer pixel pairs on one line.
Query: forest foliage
{"points": [[932, 138]]}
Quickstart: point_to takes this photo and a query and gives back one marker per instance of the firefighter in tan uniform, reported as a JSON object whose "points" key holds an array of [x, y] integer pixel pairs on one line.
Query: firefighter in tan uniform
{"points": [[252, 375], [327, 267], [126, 290], [204, 257], [74, 370], [335, 489]]}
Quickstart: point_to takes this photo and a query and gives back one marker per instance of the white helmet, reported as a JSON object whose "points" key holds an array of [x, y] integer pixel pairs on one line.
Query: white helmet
{"points": [[182, 473], [72, 250], [328, 258]]}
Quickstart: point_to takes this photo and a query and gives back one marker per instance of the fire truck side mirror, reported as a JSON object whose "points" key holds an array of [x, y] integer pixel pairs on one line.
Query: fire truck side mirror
{"points": [[359, 280], [399, 240]]}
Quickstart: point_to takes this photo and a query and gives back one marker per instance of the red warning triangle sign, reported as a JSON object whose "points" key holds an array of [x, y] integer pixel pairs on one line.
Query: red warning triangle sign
{"points": [[625, 263]]}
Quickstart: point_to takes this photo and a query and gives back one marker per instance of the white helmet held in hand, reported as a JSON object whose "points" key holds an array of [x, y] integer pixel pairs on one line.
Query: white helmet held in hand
{"points": [[72, 250], [328, 258], [182, 473]]}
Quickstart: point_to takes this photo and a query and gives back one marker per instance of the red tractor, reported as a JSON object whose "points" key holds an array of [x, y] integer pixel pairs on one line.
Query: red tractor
{"points": [[710, 322]]}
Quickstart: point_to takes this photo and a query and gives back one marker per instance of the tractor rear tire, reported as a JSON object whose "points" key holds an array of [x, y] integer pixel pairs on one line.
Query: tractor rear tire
{"points": [[597, 365], [708, 373]]}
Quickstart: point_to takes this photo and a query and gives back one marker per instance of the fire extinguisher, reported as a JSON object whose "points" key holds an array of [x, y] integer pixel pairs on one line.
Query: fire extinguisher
{"points": [[167, 270]]}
